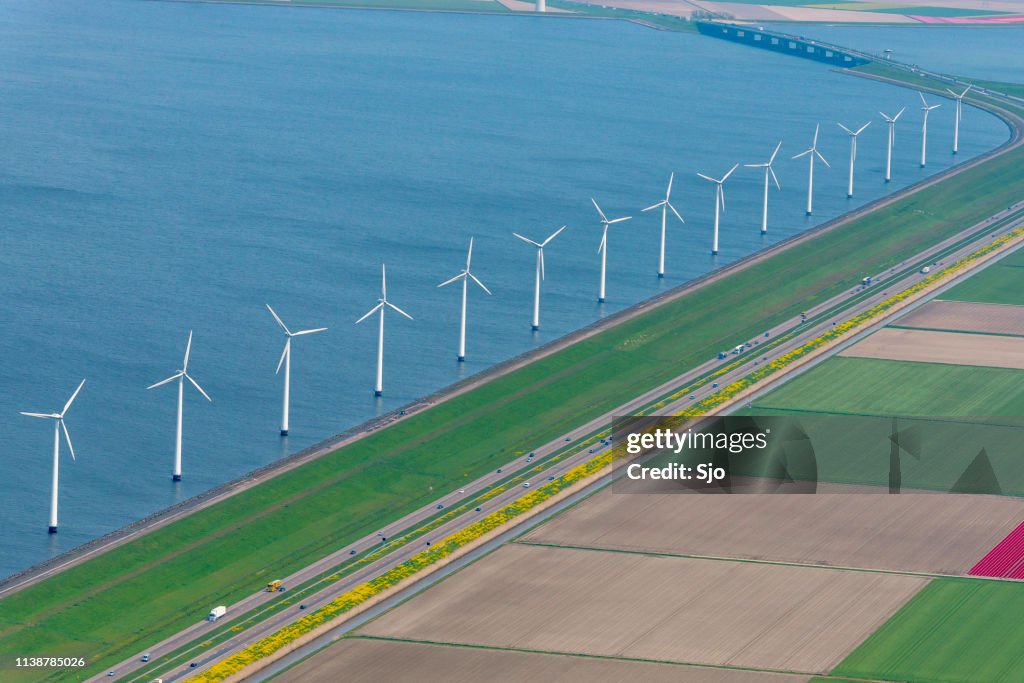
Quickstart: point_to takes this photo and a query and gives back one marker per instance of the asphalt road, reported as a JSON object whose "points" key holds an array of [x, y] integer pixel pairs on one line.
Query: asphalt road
{"points": [[775, 342]]}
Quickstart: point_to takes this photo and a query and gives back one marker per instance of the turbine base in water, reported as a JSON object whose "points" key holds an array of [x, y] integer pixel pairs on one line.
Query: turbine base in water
{"points": [[534, 328], [378, 394], [51, 529], [462, 359], [714, 252], [284, 432], [175, 477], [661, 275], [600, 299]]}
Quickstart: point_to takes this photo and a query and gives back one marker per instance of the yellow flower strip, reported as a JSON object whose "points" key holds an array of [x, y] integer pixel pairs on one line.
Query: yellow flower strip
{"points": [[360, 594]]}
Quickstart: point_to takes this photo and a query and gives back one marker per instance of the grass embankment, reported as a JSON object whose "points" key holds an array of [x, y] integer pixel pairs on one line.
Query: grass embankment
{"points": [[116, 604], [1000, 283], [955, 630]]}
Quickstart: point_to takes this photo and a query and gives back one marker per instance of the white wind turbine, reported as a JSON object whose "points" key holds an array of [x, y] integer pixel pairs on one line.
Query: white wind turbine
{"points": [[181, 376], [853, 152], [812, 152], [286, 360], [924, 126], [602, 248], [768, 170], [382, 304], [719, 203], [539, 272], [959, 115], [892, 138], [58, 427], [465, 276], [665, 205]]}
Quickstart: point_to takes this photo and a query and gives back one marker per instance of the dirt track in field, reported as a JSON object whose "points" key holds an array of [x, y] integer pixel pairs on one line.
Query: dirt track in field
{"points": [[359, 659], [786, 618], [967, 317], [951, 348], [936, 533]]}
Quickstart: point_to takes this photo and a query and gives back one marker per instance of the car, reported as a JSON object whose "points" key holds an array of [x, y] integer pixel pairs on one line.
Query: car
{"points": [[531, 454], [145, 657], [526, 485], [351, 552], [302, 606], [110, 673], [193, 665], [478, 509], [499, 470], [462, 490], [440, 506], [591, 451], [568, 438], [551, 478]]}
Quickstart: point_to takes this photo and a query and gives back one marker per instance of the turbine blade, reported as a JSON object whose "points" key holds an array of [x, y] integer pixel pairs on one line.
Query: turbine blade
{"points": [[48, 416], [399, 310], [899, 114], [469, 254], [822, 159], [383, 282], [817, 126], [734, 167], [72, 399], [721, 196], [603, 217], [482, 285], [774, 177], [954, 94], [965, 90], [861, 129], [551, 237], [540, 253], [755, 165], [284, 353], [804, 153], [846, 129], [454, 279], [655, 206], [278, 319], [619, 220], [370, 312], [771, 160], [923, 101], [668, 192], [196, 385], [188, 349], [675, 212], [67, 437], [312, 331], [604, 240], [165, 381], [526, 239], [707, 177]]}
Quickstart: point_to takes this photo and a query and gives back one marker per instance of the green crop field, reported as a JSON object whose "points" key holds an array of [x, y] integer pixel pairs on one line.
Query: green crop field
{"points": [[1000, 283], [116, 604], [867, 386], [955, 631]]}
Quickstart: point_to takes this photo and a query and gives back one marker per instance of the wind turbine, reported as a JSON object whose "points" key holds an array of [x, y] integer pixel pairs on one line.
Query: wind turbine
{"points": [[58, 427], [853, 152], [540, 272], [924, 126], [602, 248], [382, 304], [768, 170], [892, 138], [465, 276], [665, 205], [181, 376], [812, 152], [719, 203], [286, 360], [959, 115]]}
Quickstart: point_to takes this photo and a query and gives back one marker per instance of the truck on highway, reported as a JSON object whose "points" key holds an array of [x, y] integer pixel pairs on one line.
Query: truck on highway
{"points": [[275, 586], [216, 613]]}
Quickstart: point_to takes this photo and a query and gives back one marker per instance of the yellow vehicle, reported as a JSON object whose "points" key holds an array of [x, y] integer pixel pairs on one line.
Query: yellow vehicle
{"points": [[275, 586]]}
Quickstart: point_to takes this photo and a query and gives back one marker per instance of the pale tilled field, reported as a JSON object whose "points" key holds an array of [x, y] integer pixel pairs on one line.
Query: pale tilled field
{"points": [[784, 618], [940, 534], [360, 659], [968, 317], [954, 348]]}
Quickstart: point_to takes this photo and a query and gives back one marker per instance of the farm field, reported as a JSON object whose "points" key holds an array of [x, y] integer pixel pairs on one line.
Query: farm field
{"points": [[916, 533], [366, 659], [784, 618], [886, 387], [930, 346], [1000, 283], [964, 316], [953, 631]]}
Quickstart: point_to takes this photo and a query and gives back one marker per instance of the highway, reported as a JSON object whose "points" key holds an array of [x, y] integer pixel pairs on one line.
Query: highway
{"points": [[549, 461]]}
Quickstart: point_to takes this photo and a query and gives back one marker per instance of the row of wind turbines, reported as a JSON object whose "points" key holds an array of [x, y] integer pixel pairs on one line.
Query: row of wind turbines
{"points": [[465, 276]]}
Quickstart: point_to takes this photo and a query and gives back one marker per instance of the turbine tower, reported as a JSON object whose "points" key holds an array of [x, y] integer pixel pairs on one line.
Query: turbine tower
{"points": [[58, 427], [382, 304], [465, 276], [892, 138], [719, 203], [602, 248], [181, 376], [286, 360], [924, 126], [959, 115], [853, 153], [812, 152], [768, 170], [665, 205], [539, 272]]}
